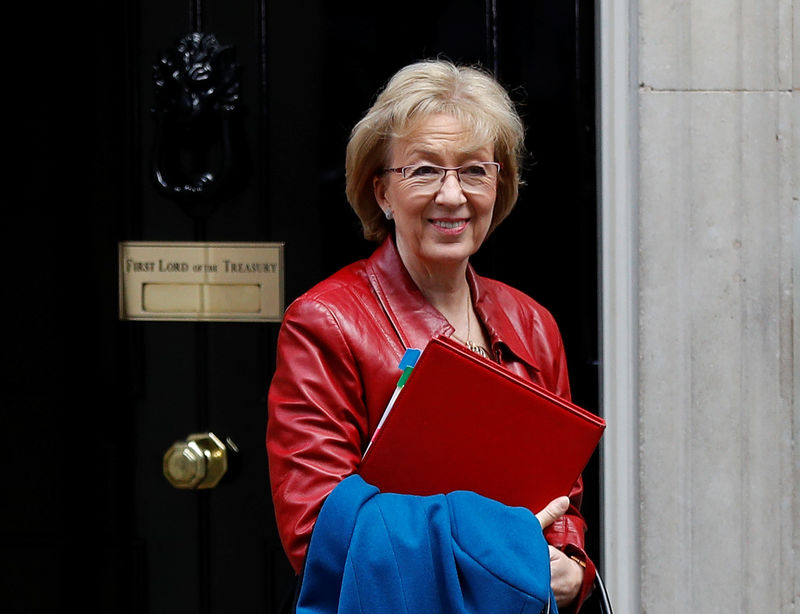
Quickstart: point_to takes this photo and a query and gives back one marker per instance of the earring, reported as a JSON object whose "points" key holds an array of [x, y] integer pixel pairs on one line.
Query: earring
{"points": [[389, 215]]}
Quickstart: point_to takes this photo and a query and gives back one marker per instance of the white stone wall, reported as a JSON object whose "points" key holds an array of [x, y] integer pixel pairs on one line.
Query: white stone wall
{"points": [[718, 327]]}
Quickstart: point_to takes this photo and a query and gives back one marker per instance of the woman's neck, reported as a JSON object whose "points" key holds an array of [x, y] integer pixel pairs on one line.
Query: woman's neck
{"points": [[446, 288], [443, 285]]}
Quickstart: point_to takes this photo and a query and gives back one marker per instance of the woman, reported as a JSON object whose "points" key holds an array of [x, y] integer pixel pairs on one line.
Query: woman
{"points": [[432, 169]]}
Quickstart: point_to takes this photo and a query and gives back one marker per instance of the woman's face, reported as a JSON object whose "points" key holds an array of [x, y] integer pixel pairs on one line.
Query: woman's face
{"points": [[437, 225]]}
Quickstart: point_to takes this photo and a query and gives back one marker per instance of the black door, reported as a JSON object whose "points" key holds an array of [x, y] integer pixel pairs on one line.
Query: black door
{"points": [[90, 521]]}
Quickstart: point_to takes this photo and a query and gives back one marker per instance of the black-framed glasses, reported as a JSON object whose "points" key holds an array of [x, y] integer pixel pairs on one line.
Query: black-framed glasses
{"points": [[474, 177]]}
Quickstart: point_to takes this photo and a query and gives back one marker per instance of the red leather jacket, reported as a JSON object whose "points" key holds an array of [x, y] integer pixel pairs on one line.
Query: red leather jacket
{"points": [[338, 351]]}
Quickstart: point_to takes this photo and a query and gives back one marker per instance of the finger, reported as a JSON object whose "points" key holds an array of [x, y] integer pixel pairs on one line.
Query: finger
{"points": [[553, 511]]}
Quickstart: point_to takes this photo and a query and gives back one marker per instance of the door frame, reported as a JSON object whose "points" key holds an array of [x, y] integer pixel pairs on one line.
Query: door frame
{"points": [[618, 121]]}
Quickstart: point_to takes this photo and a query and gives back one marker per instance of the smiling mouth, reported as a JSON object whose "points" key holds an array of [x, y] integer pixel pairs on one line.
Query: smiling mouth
{"points": [[449, 224]]}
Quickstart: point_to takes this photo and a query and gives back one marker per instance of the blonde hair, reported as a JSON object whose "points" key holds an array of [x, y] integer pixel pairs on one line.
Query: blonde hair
{"points": [[413, 94]]}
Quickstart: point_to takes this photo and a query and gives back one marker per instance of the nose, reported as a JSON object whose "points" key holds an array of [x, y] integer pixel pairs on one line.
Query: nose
{"points": [[450, 192]]}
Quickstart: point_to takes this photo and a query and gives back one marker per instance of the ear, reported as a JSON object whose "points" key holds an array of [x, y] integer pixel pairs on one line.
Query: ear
{"points": [[379, 189]]}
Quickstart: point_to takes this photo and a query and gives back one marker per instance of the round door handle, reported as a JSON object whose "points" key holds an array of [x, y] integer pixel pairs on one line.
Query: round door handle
{"points": [[200, 461]]}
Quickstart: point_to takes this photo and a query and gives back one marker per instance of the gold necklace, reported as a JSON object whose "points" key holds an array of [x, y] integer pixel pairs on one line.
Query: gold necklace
{"points": [[478, 349]]}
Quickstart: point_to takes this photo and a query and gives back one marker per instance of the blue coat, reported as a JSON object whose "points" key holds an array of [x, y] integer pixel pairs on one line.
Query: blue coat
{"points": [[379, 553]]}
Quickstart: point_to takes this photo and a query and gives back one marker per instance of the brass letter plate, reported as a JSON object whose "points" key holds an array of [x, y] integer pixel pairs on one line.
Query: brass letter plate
{"points": [[201, 281]]}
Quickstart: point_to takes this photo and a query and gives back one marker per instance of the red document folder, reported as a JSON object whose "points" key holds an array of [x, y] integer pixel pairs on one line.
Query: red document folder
{"points": [[462, 422]]}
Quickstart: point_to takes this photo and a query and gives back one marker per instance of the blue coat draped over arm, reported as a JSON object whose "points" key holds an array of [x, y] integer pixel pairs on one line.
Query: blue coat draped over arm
{"points": [[375, 552]]}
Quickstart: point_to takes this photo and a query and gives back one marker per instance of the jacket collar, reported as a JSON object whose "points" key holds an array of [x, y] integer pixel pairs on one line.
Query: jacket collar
{"points": [[416, 321], [504, 334]]}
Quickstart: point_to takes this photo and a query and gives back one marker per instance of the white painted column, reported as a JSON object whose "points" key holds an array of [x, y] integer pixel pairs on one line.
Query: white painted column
{"points": [[618, 180], [717, 328]]}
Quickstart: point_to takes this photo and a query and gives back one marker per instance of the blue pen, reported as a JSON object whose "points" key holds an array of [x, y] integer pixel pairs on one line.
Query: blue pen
{"points": [[407, 364]]}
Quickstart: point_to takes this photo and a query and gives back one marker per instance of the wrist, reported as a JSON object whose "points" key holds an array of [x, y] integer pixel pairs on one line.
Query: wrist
{"points": [[580, 562]]}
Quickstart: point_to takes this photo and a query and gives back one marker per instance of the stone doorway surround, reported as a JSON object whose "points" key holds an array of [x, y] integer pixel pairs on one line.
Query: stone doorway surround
{"points": [[699, 175]]}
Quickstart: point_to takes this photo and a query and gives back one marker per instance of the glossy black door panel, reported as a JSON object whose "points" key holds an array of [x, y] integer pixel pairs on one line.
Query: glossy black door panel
{"points": [[95, 402]]}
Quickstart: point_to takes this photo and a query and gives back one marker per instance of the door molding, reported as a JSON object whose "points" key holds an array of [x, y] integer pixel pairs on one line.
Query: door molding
{"points": [[616, 38]]}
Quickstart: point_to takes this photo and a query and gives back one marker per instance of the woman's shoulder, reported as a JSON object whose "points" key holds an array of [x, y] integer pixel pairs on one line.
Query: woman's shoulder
{"points": [[513, 300], [529, 331], [341, 291]]}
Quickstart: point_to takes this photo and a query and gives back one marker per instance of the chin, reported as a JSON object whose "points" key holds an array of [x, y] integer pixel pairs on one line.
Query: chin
{"points": [[451, 252]]}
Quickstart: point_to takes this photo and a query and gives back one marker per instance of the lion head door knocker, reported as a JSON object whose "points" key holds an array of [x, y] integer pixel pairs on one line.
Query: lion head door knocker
{"points": [[195, 152]]}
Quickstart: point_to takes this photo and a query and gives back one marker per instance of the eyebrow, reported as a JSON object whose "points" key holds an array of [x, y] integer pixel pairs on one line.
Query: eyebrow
{"points": [[427, 152]]}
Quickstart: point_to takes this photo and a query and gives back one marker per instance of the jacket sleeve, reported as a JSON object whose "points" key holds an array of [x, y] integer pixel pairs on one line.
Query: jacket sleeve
{"points": [[567, 533], [316, 421]]}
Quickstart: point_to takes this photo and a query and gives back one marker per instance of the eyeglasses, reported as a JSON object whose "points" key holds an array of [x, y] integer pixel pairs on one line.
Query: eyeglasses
{"points": [[478, 177]]}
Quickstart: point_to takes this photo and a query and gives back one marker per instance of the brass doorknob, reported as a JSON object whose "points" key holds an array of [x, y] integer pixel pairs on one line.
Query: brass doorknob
{"points": [[198, 462]]}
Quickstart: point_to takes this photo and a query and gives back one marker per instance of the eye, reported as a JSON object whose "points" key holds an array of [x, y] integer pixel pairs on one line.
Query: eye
{"points": [[474, 170], [423, 171]]}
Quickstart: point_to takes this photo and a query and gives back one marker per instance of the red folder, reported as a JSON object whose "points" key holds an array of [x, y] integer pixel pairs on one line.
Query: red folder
{"points": [[462, 422]]}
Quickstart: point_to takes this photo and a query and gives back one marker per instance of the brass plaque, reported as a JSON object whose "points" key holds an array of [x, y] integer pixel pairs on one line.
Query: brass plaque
{"points": [[201, 281]]}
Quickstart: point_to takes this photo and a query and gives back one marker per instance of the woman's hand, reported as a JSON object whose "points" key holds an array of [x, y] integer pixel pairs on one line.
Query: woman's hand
{"points": [[566, 576], [553, 511]]}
